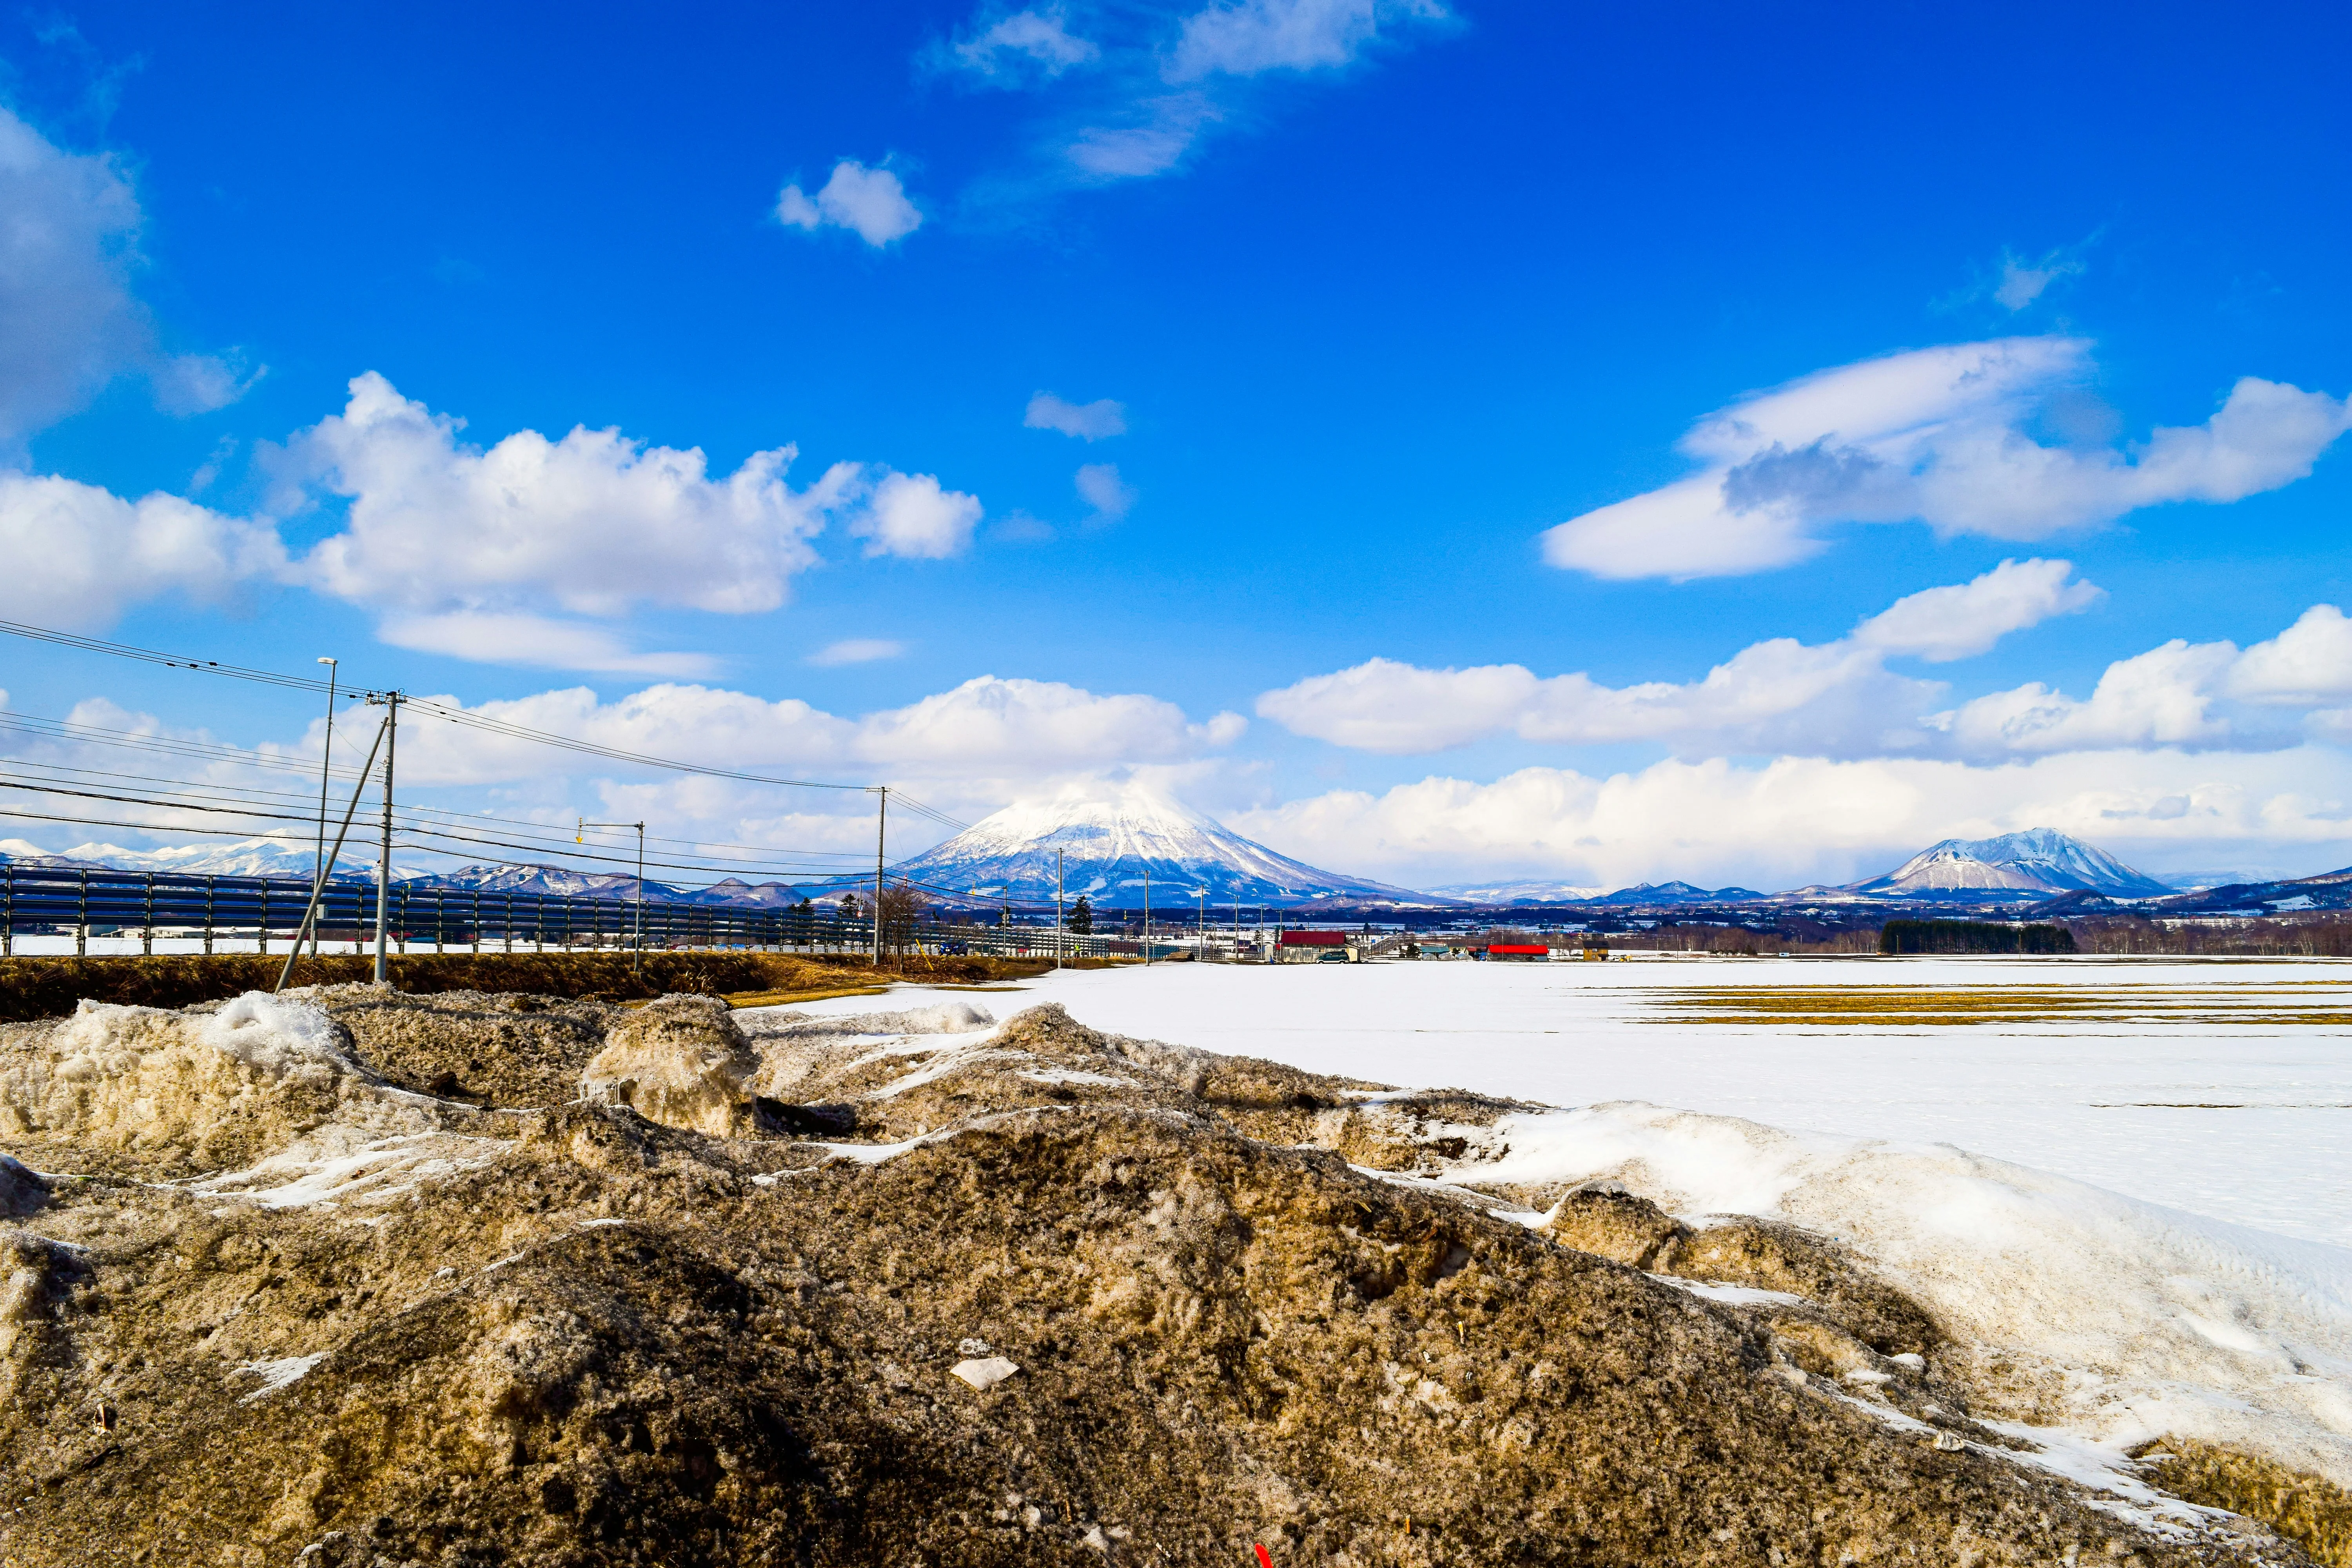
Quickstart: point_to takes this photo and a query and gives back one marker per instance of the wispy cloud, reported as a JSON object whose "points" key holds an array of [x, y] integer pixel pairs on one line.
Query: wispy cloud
{"points": [[856, 650], [2014, 280], [1128, 92], [1088, 421], [1022, 47], [547, 642], [72, 321], [1100, 488]]}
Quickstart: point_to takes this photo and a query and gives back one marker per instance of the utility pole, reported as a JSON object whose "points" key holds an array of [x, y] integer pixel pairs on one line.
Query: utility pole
{"points": [[1057, 909], [881, 833], [326, 757], [1237, 931], [383, 861], [637, 913], [1200, 950], [1147, 914]]}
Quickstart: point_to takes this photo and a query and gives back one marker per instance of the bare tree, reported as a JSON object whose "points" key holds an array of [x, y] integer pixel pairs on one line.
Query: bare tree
{"points": [[902, 906]]}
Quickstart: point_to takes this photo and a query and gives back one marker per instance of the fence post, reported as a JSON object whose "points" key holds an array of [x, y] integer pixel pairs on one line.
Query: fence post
{"points": [[147, 932], [81, 932], [208, 916], [261, 927]]}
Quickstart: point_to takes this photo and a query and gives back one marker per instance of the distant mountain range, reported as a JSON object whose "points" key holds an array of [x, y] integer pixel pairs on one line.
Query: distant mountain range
{"points": [[245, 858], [1108, 845], [1520, 892]]}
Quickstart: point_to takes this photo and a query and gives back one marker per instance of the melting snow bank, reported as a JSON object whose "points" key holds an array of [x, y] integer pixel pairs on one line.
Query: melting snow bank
{"points": [[2081, 1309]]}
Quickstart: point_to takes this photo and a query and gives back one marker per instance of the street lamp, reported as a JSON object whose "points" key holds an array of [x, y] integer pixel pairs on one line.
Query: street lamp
{"points": [[638, 915]]}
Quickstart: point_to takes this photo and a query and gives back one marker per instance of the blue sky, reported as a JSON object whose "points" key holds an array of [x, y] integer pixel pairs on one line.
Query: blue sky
{"points": [[1418, 319]]}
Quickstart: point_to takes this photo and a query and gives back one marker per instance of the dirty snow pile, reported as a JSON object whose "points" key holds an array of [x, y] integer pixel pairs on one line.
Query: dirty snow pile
{"points": [[2119, 1319], [687, 1284]]}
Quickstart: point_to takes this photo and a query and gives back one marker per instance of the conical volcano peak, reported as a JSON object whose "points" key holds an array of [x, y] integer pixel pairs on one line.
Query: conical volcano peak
{"points": [[1113, 835], [2039, 860]]}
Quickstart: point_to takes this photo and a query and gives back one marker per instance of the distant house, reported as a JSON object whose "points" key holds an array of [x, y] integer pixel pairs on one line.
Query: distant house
{"points": [[1519, 952], [1316, 947]]}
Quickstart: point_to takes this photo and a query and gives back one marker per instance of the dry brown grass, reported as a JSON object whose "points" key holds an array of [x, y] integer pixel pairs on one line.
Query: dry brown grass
{"points": [[1919, 1006], [49, 987], [2313, 1512]]}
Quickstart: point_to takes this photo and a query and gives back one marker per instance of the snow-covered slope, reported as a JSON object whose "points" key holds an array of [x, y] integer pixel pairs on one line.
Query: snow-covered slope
{"points": [[2040, 860], [551, 880], [1108, 835], [1520, 892]]}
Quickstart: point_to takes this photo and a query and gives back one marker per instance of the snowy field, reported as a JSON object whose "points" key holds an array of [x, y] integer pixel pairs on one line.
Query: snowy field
{"points": [[2200, 1085]]}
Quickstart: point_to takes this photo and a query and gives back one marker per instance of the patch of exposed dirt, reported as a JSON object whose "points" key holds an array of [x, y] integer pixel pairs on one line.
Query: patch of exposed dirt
{"points": [[915, 1288]]}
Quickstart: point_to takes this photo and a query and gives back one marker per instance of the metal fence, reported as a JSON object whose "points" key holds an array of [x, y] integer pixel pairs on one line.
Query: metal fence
{"points": [[233, 910]]}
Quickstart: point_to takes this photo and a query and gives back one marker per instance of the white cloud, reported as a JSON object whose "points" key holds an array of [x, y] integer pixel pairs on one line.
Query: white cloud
{"points": [[1939, 435], [1244, 38], [519, 637], [975, 736], [2307, 665], [1036, 726], [70, 322], [870, 203], [1100, 488], [2022, 283], [480, 554], [909, 515], [2181, 694], [1024, 43], [1837, 698], [856, 650], [1088, 421], [78, 555], [1966, 618], [594, 524], [1795, 821]]}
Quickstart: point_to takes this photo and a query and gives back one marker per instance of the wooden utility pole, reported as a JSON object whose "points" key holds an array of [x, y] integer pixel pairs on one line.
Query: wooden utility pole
{"points": [[881, 836], [384, 862]]}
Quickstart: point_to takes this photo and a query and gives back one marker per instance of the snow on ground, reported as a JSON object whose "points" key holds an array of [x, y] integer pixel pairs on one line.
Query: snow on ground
{"points": [[2250, 1122]]}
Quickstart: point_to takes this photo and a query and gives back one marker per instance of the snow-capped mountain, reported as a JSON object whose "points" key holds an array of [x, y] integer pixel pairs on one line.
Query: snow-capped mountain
{"points": [[1520, 893], [552, 880], [1107, 838], [2040, 860], [245, 858]]}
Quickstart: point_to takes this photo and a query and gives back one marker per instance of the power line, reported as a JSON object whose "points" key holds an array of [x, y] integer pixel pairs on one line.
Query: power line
{"points": [[461, 716], [453, 715], [150, 656], [86, 734]]}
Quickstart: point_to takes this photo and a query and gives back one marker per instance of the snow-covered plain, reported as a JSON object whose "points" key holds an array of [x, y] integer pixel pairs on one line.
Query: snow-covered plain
{"points": [[2244, 1121]]}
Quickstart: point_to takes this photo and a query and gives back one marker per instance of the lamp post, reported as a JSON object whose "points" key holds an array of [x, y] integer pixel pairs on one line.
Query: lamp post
{"points": [[326, 757], [637, 913]]}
